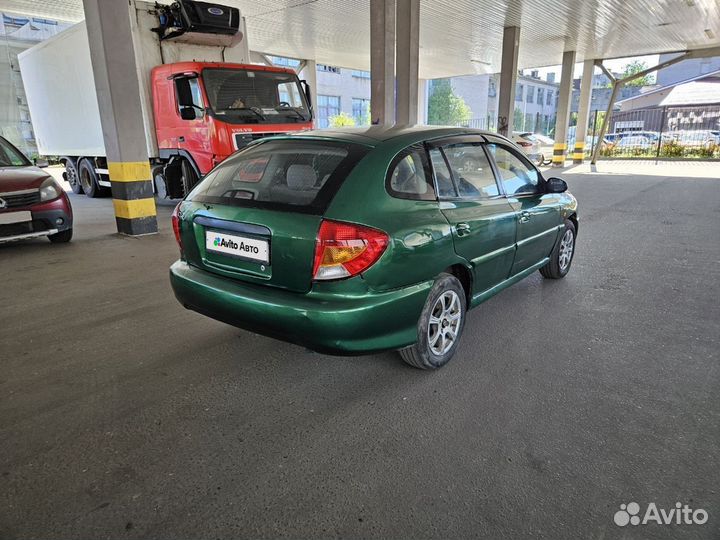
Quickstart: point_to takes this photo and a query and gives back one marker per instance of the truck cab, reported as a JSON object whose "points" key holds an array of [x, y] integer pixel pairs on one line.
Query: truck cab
{"points": [[205, 111]]}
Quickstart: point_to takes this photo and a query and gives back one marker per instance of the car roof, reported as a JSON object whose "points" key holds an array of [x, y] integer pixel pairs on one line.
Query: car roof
{"points": [[373, 135]]}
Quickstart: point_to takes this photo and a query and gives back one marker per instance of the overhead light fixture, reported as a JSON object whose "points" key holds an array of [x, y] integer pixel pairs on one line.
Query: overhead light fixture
{"points": [[690, 3], [709, 33]]}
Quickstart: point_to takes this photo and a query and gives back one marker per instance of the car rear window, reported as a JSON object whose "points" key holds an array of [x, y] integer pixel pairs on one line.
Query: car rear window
{"points": [[296, 174]]}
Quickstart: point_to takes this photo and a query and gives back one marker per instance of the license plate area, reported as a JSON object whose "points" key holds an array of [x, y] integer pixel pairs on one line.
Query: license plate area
{"points": [[242, 247], [9, 218]]}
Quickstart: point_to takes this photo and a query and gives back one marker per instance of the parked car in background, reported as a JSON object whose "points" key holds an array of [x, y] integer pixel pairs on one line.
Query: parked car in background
{"points": [[634, 142], [32, 203], [530, 145], [546, 146], [362, 240]]}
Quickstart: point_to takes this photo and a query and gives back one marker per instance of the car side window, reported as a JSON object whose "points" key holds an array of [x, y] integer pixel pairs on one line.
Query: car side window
{"points": [[409, 177], [517, 177], [443, 178], [472, 171]]}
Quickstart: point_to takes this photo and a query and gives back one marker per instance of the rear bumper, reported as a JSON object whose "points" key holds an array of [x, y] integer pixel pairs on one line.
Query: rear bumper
{"points": [[329, 322]]}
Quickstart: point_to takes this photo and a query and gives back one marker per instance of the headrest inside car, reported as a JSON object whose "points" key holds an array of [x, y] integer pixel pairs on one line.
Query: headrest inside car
{"points": [[301, 177]]}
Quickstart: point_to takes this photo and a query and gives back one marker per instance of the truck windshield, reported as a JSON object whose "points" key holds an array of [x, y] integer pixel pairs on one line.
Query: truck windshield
{"points": [[259, 97]]}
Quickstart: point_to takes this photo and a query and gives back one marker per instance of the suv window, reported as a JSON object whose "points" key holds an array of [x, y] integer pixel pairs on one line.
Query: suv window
{"points": [[471, 169], [517, 177], [408, 176]]}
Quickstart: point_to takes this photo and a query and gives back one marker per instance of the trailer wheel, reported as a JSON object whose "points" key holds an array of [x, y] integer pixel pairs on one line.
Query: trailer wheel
{"points": [[89, 179], [71, 177]]}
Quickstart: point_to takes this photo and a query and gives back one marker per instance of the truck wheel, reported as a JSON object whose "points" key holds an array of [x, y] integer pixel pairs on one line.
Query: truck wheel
{"points": [[89, 179], [440, 326], [71, 176], [159, 183], [189, 178]]}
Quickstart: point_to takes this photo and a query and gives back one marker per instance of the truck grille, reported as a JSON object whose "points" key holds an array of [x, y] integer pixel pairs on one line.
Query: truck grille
{"points": [[243, 139], [18, 200]]}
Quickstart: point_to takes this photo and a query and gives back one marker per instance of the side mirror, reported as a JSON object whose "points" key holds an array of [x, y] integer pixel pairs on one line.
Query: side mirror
{"points": [[188, 113], [308, 95], [41, 162], [556, 185]]}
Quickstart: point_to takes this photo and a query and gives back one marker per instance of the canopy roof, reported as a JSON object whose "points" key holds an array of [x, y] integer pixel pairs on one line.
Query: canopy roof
{"points": [[460, 37]]}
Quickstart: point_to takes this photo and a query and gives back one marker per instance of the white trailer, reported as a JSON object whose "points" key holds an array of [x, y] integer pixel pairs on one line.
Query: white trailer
{"points": [[60, 88]]}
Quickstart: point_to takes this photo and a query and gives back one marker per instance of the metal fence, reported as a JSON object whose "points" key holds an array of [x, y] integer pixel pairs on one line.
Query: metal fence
{"points": [[660, 133]]}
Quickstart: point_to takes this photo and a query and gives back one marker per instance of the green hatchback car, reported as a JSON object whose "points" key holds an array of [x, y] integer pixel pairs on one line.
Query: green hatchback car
{"points": [[363, 240]]}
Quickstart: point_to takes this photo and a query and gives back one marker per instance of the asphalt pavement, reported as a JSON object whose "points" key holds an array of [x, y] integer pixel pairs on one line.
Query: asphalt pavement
{"points": [[122, 415]]}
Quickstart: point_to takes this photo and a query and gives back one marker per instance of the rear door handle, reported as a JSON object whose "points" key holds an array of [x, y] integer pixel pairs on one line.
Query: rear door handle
{"points": [[462, 228], [524, 217]]}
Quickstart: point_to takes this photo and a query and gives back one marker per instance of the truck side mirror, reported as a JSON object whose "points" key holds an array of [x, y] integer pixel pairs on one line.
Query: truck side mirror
{"points": [[188, 113], [308, 94]]}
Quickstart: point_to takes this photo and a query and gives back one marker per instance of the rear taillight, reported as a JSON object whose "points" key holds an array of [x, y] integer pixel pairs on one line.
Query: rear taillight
{"points": [[344, 249], [525, 144], [176, 226]]}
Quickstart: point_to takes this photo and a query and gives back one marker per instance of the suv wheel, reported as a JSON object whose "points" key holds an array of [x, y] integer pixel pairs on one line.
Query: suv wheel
{"points": [[440, 326]]}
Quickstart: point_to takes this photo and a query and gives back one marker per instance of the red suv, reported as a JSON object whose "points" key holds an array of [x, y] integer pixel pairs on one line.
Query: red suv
{"points": [[32, 203]]}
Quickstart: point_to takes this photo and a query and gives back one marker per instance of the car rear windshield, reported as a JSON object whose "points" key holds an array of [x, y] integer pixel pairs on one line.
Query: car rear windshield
{"points": [[300, 175]]}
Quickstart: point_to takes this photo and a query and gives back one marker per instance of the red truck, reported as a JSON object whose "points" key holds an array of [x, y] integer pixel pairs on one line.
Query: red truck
{"points": [[196, 113]]}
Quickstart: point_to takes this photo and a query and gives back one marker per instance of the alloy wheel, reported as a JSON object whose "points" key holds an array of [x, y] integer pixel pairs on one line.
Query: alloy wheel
{"points": [[445, 319]]}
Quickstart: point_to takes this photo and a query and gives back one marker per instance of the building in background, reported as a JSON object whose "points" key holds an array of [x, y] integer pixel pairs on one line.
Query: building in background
{"points": [[18, 33], [685, 70], [342, 90], [535, 101], [600, 95]]}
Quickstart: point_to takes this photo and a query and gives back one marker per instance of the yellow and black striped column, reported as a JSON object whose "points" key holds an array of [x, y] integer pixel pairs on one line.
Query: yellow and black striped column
{"points": [[110, 28], [579, 152], [133, 198], [558, 159]]}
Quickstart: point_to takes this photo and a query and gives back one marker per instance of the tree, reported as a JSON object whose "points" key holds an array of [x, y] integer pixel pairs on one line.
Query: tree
{"points": [[445, 108], [633, 67], [341, 120]]}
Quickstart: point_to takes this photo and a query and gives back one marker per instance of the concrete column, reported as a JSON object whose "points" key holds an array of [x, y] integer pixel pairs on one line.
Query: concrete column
{"points": [[586, 84], [407, 55], [563, 109], [382, 62], [118, 93], [508, 80], [309, 74], [422, 102]]}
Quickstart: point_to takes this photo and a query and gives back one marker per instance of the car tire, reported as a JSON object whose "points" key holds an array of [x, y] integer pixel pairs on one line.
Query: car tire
{"points": [[61, 237], [71, 177], [89, 180], [562, 254], [441, 321]]}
